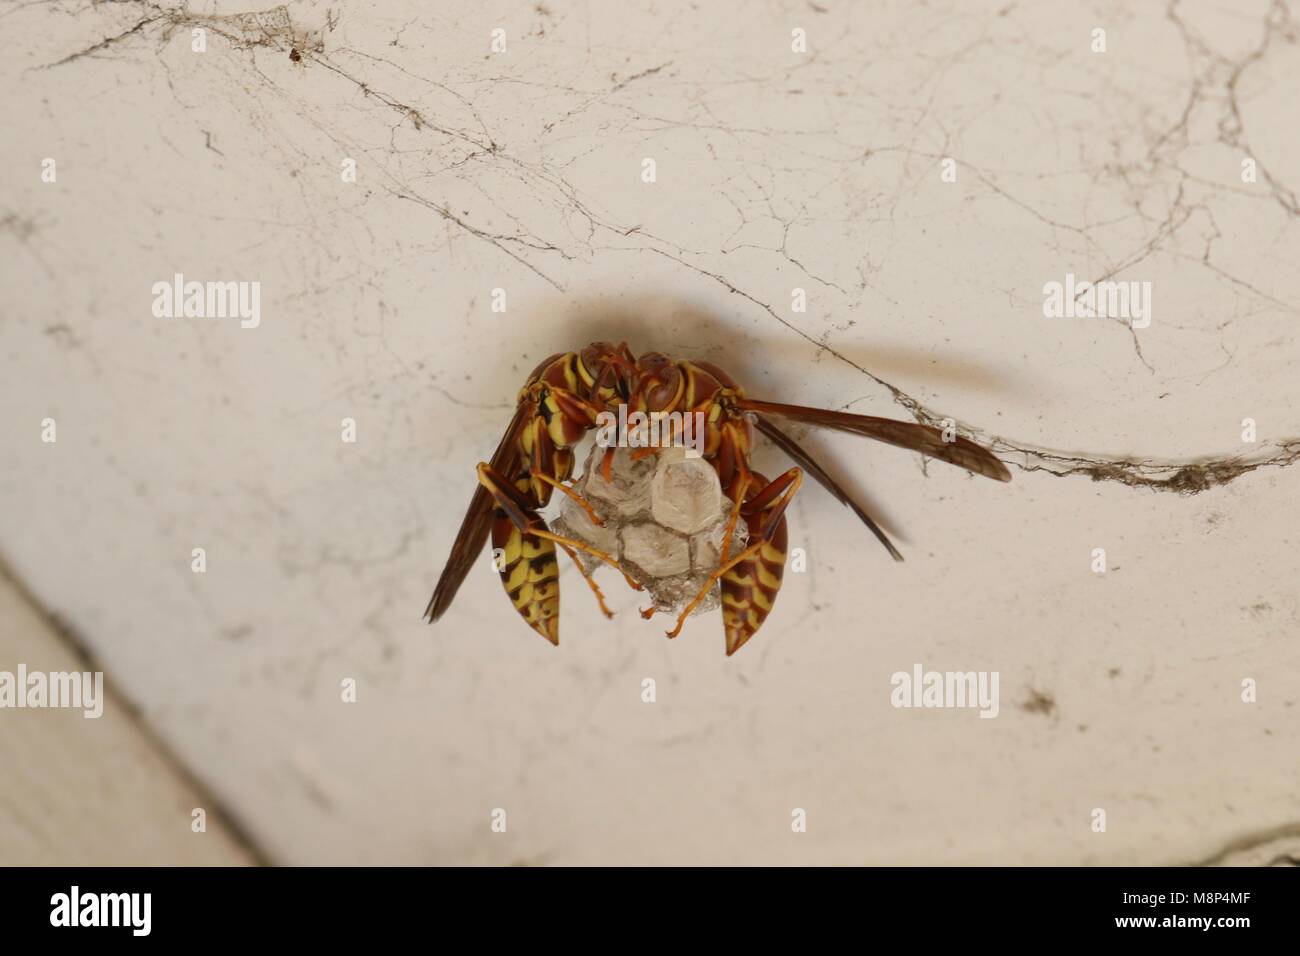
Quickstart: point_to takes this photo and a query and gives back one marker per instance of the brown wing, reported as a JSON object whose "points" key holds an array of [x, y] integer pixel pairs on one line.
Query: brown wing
{"points": [[792, 448], [477, 525], [914, 437]]}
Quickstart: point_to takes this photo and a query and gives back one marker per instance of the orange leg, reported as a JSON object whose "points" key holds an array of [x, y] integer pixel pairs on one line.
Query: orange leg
{"points": [[583, 503], [583, 546], [763, 512], [735, 516], [523, 515], [772, 501], [607, 464], [595, 588], [708, 585]]}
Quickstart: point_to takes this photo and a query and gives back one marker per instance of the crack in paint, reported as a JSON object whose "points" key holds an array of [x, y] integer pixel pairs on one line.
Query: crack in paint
{"points": [[1279, 841], [274, 29]]}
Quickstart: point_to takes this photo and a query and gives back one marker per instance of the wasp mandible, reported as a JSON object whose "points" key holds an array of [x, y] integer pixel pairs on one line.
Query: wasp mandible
{"points": [[563, 399]]}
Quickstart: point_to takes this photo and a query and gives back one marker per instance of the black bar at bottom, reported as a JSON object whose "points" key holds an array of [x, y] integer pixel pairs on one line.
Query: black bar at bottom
{"points": [[334, 905]]}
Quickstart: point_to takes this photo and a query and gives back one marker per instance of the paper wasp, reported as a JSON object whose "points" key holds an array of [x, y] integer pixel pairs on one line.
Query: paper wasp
{"points": [[561, 402]]}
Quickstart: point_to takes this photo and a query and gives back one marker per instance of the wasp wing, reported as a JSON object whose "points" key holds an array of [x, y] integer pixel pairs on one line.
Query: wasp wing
{"points": [[910, 435], [795, 451], [477, 525]]}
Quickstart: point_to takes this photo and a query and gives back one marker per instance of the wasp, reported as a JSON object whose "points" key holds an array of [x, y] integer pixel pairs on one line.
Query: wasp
{"points": [[568, 394]]}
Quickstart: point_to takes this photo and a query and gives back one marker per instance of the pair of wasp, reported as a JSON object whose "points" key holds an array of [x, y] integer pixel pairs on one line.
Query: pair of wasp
{"points": [[561, 402]]}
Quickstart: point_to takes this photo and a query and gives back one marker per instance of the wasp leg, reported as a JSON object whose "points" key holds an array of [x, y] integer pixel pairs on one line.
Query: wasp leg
{"points": [[607, 464], [751, 579], [749, 509], [562, 541], [526, 549], [523, 515], [731, 522], [769, 504], [646, 451], [582, 502], [708, 586], [595, 588]]}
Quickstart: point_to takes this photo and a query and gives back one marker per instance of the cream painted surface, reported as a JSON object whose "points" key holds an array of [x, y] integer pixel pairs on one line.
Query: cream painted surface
{"points": [[774, 171], [90, 791]]}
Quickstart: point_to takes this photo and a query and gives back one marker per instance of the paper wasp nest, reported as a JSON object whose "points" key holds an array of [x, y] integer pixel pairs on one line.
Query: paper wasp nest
{"points": [[664, 518]]}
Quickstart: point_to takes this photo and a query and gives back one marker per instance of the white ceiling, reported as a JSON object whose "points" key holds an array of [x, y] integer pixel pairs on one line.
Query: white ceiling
{"points": [[775, 170]]}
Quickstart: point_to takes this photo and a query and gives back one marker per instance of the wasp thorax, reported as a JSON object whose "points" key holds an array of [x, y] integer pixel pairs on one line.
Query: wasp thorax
{"points": [[664, 517]]}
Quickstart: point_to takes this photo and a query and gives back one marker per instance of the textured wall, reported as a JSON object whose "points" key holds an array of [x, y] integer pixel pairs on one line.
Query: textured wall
{"points": [[92, 791], [775, 170]]}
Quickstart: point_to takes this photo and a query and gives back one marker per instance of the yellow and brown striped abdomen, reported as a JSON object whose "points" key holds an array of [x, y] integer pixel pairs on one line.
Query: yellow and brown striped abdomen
{"points": [[749, 589], [531, 575]]}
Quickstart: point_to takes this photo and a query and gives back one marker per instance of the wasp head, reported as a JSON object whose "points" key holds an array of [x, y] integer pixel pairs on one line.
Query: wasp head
{"points": [[608, 371], [659, 383]]}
